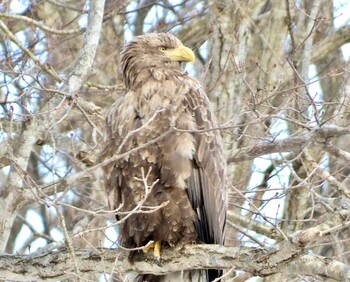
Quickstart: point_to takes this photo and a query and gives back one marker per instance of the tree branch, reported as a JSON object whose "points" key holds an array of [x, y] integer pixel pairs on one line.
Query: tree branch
{"points": [[290, 144], [42, 26], [251, 224], [87, 55], [48, 69], [332, 42], [289, 259]]}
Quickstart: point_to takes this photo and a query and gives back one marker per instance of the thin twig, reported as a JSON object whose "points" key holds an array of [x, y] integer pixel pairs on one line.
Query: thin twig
{"points": [[42, 26]]}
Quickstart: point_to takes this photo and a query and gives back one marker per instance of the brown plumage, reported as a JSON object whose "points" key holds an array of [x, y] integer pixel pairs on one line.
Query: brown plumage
{"points": [[186, 160]]}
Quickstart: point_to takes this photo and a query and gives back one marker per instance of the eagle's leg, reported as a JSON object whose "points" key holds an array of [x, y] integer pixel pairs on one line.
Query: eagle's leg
{"points": [[156, 246]]}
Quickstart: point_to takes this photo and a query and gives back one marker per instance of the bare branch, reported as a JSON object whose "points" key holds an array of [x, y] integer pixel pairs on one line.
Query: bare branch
{"points": [[290, 144], [42, 26], [260, 262], [332, 42], [87, 56], [253, 225], [51, 72]]}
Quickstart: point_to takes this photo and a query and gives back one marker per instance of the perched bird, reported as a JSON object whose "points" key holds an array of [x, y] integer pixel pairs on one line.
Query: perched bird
{"points": [[168, 185]]}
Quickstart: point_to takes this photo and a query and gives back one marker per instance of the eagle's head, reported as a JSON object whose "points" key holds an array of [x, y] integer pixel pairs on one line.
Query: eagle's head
{"points": [[152, 50]]}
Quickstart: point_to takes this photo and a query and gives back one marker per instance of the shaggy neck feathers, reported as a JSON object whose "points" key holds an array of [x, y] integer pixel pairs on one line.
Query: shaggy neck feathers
{"points": [[141, 59]]}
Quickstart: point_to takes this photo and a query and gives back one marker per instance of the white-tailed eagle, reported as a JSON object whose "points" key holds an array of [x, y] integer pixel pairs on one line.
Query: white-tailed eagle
{"points": [[164, 126]]}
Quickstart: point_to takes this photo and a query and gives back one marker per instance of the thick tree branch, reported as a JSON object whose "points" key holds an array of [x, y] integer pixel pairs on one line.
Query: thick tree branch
{"points": [[87, 55], [286, 145], [290, 144], [10, 194], [330, 43], [287, 259], [251, 224]]}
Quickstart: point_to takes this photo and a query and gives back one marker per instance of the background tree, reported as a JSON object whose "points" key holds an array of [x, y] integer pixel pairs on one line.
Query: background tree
{"points": [[278, 77]]}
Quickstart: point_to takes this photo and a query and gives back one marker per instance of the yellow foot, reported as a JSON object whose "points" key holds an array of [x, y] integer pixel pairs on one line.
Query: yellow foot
{"points": [[148, 247], [156, 252], [157, 248]]}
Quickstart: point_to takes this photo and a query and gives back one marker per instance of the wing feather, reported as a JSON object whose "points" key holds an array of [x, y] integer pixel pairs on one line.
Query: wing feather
{"points": [[206, 185]]}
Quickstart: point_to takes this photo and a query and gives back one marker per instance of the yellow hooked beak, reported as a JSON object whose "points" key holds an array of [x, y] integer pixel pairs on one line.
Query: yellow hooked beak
{"points": [[181, 54]]}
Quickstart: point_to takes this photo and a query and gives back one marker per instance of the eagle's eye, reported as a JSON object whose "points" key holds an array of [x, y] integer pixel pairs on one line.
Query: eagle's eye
{"points": [[162, 49]]}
